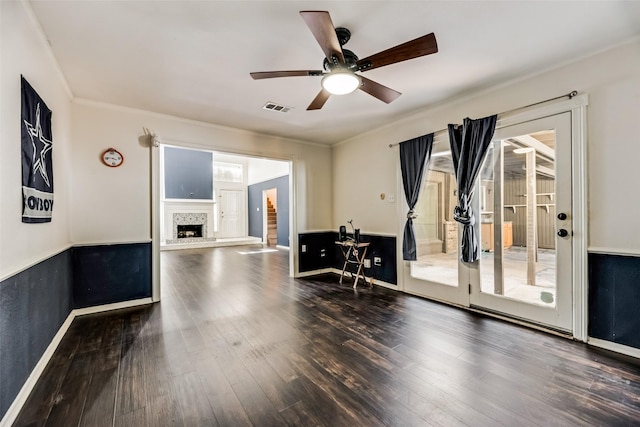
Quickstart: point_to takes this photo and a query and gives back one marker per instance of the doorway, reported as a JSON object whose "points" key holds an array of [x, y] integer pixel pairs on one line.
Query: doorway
{"points": [[530, 224], [229, 215], [270, 217]]}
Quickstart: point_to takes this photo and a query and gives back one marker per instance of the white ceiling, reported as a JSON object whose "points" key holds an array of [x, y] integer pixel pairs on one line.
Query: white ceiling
{"points": [[192, 59]]}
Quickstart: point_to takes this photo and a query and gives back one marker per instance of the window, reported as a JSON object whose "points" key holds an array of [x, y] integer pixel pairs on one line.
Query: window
{"points": [[227, 172]]}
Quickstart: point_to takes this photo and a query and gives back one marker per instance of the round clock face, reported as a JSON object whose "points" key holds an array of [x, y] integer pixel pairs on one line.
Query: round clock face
{"points": [[112, 157]]}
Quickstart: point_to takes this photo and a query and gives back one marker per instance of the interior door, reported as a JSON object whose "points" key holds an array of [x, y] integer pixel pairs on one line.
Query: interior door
{"points": [[524, 204], [232, 214]]}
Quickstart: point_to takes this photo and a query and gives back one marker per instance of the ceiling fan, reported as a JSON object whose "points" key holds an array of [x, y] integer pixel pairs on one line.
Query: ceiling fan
{"points": [[341, 65]]}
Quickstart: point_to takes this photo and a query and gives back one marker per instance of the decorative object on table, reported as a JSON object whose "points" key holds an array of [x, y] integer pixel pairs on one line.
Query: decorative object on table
{"points": [[112, 158], [37, 166], [342, 234]]}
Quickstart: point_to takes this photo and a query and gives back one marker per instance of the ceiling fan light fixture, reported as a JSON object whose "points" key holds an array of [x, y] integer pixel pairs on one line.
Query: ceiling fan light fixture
{"points": [[341, 82]]}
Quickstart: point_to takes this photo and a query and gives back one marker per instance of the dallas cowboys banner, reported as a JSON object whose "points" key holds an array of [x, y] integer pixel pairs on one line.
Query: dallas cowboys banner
{"points": [[37, 169]]}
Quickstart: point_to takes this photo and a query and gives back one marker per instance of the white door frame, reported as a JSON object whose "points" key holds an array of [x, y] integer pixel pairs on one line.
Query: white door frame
{"points": [[577, 106], [154, 172], [264, 217]]}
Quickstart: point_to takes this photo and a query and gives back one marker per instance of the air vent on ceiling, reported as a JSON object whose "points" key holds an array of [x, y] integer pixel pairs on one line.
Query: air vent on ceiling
{"points": [[276, 107]]}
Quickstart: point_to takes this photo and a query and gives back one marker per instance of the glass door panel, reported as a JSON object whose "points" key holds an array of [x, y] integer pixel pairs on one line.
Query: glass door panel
{"points": [[525, 182], [437, 273]]}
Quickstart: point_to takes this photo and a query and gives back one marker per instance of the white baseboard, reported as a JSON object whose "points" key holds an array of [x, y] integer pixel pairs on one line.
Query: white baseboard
{"points": [[612, 346], [338, 272], [314, 272], [13, 411], [375, 281], [15, 408], [108, 307]]}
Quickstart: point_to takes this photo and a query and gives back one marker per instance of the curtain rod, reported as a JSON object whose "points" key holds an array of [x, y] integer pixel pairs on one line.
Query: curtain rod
{"points": [[569, 95]]}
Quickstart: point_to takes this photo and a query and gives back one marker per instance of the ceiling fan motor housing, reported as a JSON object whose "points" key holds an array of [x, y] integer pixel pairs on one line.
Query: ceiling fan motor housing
{"points": [[344, 35], [350, 61]]}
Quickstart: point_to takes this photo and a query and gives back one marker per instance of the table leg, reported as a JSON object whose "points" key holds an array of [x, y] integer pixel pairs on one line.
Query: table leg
{"points": [[346, 262], [360, 260]]}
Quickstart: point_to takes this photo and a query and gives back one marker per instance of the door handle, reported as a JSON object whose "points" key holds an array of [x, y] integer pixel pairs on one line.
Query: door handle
{"points": [[562, 216], [563, 233]]}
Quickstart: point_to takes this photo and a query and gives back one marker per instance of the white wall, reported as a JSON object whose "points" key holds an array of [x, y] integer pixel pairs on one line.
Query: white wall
{"points": [[24, 51], [364, 166], [261, 170], [113, 204]]}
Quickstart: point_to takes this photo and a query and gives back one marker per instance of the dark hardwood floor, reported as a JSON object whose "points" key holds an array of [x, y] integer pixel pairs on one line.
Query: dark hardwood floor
{"points": [[237, 342]]}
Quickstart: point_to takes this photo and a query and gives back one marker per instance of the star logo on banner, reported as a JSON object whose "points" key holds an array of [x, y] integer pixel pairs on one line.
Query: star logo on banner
{"points": [[41, 146]]}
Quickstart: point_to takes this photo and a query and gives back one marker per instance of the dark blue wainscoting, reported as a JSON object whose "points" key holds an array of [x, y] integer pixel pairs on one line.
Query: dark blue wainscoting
{"points": [[316, 251], [614, 298], [33, 306], [111, 273], [35, 302], [321, 252]]}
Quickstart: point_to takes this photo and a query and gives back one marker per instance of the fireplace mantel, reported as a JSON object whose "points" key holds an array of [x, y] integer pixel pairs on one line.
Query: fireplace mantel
{"points": [[187, 212]]}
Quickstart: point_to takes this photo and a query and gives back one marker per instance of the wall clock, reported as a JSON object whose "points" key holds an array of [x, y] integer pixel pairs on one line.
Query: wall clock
{"points": [[112, 157]]}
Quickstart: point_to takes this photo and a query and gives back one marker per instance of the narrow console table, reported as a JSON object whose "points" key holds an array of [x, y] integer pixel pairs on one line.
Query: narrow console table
{"points": [[354, 254]]}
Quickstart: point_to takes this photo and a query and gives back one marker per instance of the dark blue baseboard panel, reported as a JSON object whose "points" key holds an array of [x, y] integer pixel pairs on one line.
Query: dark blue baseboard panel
{"points": [[320, 251], [33, 306], [107, 274], [614, 298], [316, 250]]}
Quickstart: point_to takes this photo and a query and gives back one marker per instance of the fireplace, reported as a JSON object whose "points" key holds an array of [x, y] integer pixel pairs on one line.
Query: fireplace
{"points": [[189, 231], [189, 227]]}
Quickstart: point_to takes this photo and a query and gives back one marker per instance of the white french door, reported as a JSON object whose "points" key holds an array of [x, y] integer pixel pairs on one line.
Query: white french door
{"points": [[437, 273], [524, 204], [524, 223]]}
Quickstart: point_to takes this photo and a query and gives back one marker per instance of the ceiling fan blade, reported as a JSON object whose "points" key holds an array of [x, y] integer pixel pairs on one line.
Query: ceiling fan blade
{"points": [[320, 24], [319, 100], [416, 48], [294, 73], [379, 91]]}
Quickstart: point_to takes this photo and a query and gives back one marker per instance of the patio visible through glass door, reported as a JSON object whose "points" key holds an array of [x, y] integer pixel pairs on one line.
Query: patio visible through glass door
{"points": [[524, 202]]}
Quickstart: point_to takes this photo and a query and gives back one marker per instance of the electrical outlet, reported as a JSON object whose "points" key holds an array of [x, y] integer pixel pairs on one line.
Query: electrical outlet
{"points": [[323, 253], [377, 261], [391, 198], [367, 263], [304, 248]]}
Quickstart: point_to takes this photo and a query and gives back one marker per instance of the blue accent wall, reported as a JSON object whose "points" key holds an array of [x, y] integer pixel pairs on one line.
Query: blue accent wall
{"points": [[111, 273], [33, 306], [188, 174], [614, 298], [254, 194]]}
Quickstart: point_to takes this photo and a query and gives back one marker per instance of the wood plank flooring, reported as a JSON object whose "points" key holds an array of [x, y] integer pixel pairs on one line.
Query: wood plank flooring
{"points": [[235, 342]]}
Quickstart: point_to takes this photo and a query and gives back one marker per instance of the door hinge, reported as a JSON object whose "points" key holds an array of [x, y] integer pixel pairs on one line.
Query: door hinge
{"points": [[469, 288]]}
